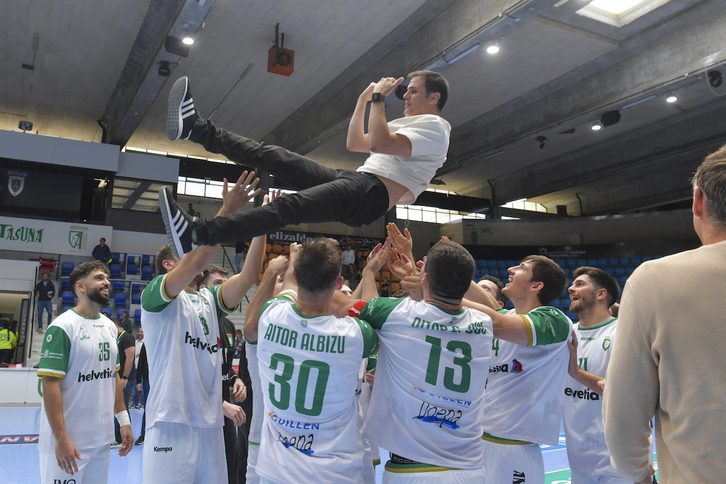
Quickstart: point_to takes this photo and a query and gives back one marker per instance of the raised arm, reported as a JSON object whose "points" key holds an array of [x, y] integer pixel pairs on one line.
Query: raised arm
{"points": [[509, 327], [478, 294], [380, 138], [276, 267], [357, 138], [234, 200]]}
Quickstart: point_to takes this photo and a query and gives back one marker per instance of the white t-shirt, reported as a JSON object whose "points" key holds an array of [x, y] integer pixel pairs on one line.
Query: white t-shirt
{"points": [[586, 447], [308, 368], [139, 343], [183, 352], [427, 402], [258, 401], [429, 136], [523, 399], [83, 352], [348, 257]]}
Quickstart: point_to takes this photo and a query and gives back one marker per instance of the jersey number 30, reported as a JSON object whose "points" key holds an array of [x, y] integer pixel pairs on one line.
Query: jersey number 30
{"points": [[303, 379]]}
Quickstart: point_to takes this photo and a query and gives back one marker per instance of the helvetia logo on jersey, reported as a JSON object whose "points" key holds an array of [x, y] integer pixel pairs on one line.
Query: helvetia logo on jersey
{"points": [[107, 373], [606, 343], [585, 394], [516, 367], [201, 344]]}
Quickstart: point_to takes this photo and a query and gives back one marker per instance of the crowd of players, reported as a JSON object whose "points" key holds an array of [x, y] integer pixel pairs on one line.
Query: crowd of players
{"points": [[463, 390]]}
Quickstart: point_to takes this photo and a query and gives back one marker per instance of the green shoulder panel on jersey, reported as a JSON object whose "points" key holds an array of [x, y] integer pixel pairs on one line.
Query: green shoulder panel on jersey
{"points": [[55, 353], [370, 340], [547, 325], [377, 310], [222, 309], [281, 297], [372, 362], [154, 299]]}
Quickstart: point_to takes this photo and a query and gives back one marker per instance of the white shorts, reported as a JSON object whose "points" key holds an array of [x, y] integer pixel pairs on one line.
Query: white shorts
{"points": [[518, 464], [579, 478], [253, 451], [176, 453], [475, 476], [92, 467]]}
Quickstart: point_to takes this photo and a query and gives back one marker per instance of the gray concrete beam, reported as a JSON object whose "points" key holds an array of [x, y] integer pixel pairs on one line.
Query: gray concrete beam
{"points": [[140, 82], [440, 29], [643, 64]]}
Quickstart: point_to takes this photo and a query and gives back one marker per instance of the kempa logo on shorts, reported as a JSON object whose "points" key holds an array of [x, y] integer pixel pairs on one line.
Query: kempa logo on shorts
{"points": [[518, 477], [162, 449]]}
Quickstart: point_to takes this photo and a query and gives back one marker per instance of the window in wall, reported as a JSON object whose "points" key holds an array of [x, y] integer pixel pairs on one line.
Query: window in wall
{"points": [[619, 12], [131, 194]]}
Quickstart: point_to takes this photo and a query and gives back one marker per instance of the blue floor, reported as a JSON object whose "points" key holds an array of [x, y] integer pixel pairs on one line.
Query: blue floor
{"points": [[19, 460]]}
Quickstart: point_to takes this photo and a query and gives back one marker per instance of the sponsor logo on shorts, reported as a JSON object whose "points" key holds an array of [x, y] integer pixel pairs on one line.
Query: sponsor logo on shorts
{"points": [[518, 477], [162, 449], [293, 424]]}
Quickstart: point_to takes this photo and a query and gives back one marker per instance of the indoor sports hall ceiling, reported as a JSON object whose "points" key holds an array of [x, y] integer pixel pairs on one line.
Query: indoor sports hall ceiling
{"points": [[521, 118]]}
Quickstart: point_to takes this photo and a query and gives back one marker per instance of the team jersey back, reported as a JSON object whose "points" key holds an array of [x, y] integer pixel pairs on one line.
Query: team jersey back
{"points": [[308, 369], [83, 352], [586, 448], [427, 400], [525, 390], [184, 355]]}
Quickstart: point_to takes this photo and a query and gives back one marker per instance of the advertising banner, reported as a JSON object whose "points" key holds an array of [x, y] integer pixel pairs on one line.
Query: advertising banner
{"points": [[31, 235]]}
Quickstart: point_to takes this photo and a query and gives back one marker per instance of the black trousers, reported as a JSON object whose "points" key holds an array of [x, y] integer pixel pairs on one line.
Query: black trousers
{"points": [[324, 194]]}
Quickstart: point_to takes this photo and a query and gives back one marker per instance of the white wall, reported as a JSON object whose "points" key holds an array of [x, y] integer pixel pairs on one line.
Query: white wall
{"points": [[137, 242], [20, 386]]}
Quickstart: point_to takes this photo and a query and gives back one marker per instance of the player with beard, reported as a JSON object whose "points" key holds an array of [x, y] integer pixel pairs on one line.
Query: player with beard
{"points": [[591, 294], [76, 424], [184, 440]]}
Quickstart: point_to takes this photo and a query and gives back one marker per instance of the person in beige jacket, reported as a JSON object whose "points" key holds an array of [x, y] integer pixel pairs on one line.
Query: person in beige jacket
{"points": [[667, 360]]}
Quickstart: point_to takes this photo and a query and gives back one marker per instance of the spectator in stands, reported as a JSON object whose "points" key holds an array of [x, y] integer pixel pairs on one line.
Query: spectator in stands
{"points": [[102, 252], [240, 253], [384, 288], [666, 359], [126, 351], [494, 285], [191, 210], [8, 341], [142, 383], [125, 322], [232, 385], [44, 291], [139, 343], [348, 259]]}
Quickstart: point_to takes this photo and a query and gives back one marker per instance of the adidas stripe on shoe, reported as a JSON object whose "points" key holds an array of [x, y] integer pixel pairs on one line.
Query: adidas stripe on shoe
{"points": [[181, 113], [179, 224]]}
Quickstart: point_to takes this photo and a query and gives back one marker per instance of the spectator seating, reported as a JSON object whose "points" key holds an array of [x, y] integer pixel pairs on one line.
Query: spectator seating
{"points": [[136, 298], [66, 268], [69, 298], [115, 270], [147, 272], [137, 315], [132, 270], [106, 311], [66, 308], [115, 257], [65, 285], [118, 312], [118, 285], [120, 299]]}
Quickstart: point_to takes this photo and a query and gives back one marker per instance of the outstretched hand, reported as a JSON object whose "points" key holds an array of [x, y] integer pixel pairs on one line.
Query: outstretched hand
{"points": [[235, 199], [378, 256], [400, 265]]}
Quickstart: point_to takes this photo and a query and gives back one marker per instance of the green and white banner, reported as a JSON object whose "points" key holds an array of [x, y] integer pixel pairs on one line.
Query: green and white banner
{"points": [[31, 235]]}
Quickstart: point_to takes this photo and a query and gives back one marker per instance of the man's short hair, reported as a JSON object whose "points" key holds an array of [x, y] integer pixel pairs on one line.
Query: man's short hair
{"points": [[164, 253], [102, 239], [6, 324], [500, 285], [601, 280], [450, 270], [83, 270], [212, 270], [546, 271], [125, 312], [710, 177], [318, 265], [434, 82]]}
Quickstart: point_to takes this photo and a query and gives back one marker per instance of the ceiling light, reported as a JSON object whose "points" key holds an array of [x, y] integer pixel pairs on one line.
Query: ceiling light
{"points": [[493, 48], [596, 127], [671, 98], [616, 7], [188, 40]]}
